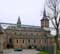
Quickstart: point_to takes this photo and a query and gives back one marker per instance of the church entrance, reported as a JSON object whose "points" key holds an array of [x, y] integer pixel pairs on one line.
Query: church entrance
{"points": [[10, 43]]}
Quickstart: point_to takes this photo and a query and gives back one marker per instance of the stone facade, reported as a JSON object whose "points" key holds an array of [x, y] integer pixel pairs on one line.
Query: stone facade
{"points": [[26, 36]]}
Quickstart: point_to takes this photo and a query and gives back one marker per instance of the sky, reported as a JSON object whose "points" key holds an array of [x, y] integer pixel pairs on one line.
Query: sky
{"points": [[30, 11]]}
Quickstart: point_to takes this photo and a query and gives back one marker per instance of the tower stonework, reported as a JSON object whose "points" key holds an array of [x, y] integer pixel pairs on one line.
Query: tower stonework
{"points": [[44, 21]]}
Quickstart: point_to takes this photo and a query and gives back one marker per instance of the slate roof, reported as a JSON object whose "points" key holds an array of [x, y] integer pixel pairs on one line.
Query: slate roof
{"points": [[26, 28]]}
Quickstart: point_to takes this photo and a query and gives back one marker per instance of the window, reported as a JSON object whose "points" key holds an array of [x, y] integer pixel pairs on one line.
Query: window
{"points": [[10, 40], [15, 33], [29, 41], [34, 41], [45, 40], [17, 41], [20, 34], [23, 41], [26, 34], [40, 41], [37, 34], [31, 34]]}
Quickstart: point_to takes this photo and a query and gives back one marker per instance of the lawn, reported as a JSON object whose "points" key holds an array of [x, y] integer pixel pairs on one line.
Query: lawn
{"points": [[46, 52], [43, 52], [58, 52]]}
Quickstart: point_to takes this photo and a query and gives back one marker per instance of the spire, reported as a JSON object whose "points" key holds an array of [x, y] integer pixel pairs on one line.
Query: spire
{"points": [[44, 13], [19, 21]]}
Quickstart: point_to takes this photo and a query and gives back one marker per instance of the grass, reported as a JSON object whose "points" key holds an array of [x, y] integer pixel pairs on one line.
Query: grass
{"points": [[46, 52], [43, 52], [58, 51]]}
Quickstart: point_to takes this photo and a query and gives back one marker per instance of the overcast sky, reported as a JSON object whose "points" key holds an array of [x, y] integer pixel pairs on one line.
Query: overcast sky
{"points": [[30, 11]]}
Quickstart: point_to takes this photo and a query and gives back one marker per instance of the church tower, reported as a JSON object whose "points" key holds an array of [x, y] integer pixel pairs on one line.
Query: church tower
{"points": [[44, 20], [19, 22]]}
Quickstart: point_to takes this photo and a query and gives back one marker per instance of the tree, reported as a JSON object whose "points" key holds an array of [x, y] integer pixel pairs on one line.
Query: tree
{"points": [[54, 16]]}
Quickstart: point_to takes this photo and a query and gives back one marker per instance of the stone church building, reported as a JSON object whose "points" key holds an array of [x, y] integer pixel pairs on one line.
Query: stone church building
{"points": [[27, 36]]}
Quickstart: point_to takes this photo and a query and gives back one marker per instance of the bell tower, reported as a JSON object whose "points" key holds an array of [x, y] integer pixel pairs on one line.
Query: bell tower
{"points": [[44, 20], [19, 22]]}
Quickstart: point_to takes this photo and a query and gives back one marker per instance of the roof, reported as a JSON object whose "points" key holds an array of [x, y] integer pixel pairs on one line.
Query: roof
{"points": [[26, 28]]}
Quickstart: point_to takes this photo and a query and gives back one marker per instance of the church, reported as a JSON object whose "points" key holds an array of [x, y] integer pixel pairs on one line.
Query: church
{"points": [[27, 36]]}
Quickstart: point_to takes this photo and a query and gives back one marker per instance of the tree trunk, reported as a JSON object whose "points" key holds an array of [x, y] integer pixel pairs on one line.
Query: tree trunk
{"points": [[56, 40]]}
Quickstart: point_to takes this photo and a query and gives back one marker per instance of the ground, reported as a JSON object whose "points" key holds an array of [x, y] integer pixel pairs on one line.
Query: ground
{"points": [[25, 51]]}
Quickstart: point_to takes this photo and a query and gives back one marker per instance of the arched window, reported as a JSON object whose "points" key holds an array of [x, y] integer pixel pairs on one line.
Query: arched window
{"points": [[20, 34], [17, 41], [45, 40], [10, 40], [37, 34], [31, 34], [23, 41], [15, 33], [29, 41], [34, 41]]}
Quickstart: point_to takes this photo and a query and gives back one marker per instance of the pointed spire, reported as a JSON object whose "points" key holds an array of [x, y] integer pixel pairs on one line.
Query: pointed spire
{"points": [[44, 13], [19, 21]]}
